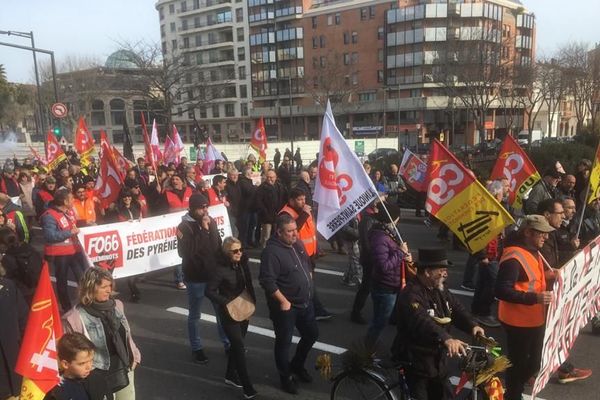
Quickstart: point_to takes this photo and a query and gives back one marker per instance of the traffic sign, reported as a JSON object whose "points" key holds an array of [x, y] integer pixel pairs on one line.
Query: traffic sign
{"points": [[59, 110]]}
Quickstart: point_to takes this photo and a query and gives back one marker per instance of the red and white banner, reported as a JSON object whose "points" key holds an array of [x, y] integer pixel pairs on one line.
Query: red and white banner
{"points": [[155, 144], [84, 141], [575, 300], [177, 144], [343, 188], [54, 153], [169, 154], [140, 246], [259, 140], [123, 163], [414, 171], [37, 361], [210, 156]]}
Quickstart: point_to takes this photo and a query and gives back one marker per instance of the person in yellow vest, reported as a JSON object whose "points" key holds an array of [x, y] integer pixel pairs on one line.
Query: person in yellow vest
{"points": [[523, 296], [307, 234]]}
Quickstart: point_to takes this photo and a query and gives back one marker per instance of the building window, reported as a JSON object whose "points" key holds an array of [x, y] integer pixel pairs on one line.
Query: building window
{"points": [[363, 14], [380, 55], [315, 62], [322, 61], [98, 116], [213, 75], [202, 112], [242, 72], [329, 20], [371, 11], [240, 34], [346, 37], [314, 22], [354, 37], [338, 18], [366, 97], [196, 4], [239, 15], [354, 58], [244, 109], [174, 44], [380, 75], [186, 42], [355, 78], [171, 9], [322, 41], [161, 13], [191, 114], [243, 91], [172, 26], [380, 33], [164, 47], [241, 53], [315, 42], [215, 111], [183, 6], [184, 25], [230, 110], [346, 58]]}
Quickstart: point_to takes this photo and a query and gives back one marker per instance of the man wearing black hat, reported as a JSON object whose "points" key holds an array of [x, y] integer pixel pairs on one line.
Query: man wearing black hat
{"points": [[426, 311], [543, 190], [198, 241]]}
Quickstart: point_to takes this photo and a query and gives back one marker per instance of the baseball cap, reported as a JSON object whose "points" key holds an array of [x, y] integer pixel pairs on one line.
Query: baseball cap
{"points": [[537, 222]]}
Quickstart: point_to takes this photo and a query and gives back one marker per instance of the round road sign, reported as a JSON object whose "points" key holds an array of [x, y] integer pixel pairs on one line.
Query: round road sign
{"points": [[59, 110]]}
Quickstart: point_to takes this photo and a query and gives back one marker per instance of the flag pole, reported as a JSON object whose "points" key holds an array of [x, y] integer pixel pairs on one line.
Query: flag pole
{"points": [[392, 221]]}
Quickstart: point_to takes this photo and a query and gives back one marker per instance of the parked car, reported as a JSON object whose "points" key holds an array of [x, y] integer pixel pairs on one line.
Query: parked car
{"points": [[381, 153]]}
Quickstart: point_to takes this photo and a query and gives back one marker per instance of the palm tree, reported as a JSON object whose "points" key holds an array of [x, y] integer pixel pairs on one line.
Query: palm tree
{"points": [[2, 73]]}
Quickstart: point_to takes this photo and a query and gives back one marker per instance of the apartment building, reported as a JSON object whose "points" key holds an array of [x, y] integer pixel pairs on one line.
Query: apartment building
{"points": [[213, 36]]}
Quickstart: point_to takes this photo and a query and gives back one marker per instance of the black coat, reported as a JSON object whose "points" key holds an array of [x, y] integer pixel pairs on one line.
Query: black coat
{"points": [[197, 248], [269, 199], [13, 312], [247, 193], [23, 265], [234, 196], [420, 339], [229, 281]]}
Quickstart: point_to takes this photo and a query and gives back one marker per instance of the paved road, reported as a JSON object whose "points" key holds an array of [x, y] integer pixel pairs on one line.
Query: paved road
{"points": [[167, 371]]}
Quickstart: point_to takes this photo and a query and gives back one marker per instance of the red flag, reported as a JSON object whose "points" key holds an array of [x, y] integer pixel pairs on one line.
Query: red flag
{"points": [[178, 145], [37, 361], [84, 141], [37, 156], [259, 140], [109, 180], [147, 147], [514, 165], [154, 143], [414, 171], [123, 163], [169, 153], [54, 153]]}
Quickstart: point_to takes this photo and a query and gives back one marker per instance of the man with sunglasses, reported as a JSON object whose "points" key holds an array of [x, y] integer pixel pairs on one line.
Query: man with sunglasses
{"points": [[198, 242]]}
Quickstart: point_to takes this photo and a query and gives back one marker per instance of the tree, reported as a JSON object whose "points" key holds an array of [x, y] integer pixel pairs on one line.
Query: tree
{"points": [[532, 98], [174, 81], [552, 83]]}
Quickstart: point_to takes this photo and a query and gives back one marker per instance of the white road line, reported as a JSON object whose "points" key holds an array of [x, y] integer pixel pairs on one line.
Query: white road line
{"points": [[70, 283], [261, 331], [339, 273], [455, 379]]}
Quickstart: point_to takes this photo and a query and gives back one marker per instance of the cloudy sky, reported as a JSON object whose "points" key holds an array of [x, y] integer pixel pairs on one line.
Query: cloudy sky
{"points": [[93, 28]]}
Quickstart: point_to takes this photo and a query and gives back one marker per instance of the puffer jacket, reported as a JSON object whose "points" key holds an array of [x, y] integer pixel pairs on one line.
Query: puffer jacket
{"points": [[386, 259]]}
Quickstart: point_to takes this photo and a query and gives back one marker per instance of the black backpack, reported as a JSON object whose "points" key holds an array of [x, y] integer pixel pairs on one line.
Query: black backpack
{"points": [[26, 265]]}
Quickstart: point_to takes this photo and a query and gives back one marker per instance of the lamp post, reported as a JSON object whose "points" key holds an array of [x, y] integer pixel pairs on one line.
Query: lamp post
{"points": [[293, 133]]}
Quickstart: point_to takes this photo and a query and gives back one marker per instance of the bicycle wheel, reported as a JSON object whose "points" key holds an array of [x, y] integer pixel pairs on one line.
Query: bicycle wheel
{"points": [[360, 385]]}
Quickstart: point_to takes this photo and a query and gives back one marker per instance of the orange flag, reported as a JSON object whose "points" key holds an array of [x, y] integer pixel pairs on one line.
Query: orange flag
{"points": [[514, 165], [259, 140], [84, 142], [37, 361], [54, 153], [457, 199]]}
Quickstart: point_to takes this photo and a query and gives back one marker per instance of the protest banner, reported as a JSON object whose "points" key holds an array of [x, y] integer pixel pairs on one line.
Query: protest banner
{"points": [[209, 178], [575, 300], [136, 247]]}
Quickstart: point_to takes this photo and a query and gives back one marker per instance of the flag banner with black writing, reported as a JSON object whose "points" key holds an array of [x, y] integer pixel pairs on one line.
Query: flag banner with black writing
{"points": [[414, 171], [343, 188], [84, 142], [54, 153], [514, 165], [457, 199]]}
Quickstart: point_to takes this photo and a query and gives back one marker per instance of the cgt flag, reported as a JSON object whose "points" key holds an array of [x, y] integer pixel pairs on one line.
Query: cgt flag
{"points": [[514, 165], [343, 188], [109, 180], [54, 153], [457, 199], [37, 361], [84, 142], [594, 187], [259, 141], [414, 171]]}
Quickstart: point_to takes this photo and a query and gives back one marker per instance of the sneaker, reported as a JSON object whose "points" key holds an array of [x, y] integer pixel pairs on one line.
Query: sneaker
{"points": [[323, 315], [289, 385], [576, 374], [200, 357], [358, 319], [468, 287], [350, 283], [233, 381], [488, 321], [302, 374], [181, 286], [250, 393]]}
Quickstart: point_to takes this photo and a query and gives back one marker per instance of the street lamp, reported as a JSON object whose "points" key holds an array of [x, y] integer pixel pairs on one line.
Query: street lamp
{"points": [[29, 35]]}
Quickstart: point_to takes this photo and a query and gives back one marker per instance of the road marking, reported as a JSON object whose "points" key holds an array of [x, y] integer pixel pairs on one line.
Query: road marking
{"points": [[70, 283], [261, 331], [455, 379], [327, 271]]}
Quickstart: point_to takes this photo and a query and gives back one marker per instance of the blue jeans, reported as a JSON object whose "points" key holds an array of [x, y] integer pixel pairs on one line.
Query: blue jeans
{"points": [[195, 291], [178, 273], [384, 300]]}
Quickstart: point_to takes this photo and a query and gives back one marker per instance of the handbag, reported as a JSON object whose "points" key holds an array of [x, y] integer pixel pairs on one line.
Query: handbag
{"points": [[242, 307], [117, 377]]}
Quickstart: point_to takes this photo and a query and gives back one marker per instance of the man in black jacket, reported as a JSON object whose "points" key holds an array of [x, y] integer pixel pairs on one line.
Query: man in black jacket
{"points": [[234, 197], [247, 213], [270, 197], [198, 243], [285, 275]]}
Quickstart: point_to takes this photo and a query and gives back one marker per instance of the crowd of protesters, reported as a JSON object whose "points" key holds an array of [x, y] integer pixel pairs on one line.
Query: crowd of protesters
{"points": [[271, 208]]}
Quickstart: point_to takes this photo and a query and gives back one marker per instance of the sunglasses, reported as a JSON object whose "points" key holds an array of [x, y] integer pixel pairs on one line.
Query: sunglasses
{"points": [[236, 251]]}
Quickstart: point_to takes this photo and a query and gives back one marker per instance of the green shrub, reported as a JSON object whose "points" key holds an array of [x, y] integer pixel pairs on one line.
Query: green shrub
{"points": [[567, 153]]}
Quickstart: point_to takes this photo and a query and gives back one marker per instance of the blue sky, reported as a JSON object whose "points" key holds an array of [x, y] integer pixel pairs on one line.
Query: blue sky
{"points": [[94, 27]]}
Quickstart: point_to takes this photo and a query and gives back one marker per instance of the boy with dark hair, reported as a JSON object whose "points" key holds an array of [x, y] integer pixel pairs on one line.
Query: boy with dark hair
{"points": [[75, 358]]}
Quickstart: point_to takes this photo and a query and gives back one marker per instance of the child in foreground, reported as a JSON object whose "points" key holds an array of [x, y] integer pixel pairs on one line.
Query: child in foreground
{"points": [[75, 359]]}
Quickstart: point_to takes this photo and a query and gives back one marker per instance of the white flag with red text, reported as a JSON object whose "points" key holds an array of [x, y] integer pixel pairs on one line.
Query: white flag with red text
{"points": [[109, 180], [211, 155], [155, 144], [177, 144], [343, 188]]}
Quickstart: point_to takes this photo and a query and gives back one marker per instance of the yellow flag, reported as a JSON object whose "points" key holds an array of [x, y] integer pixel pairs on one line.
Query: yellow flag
{"points": [[457, 199], [31, 391], [595, 178]]}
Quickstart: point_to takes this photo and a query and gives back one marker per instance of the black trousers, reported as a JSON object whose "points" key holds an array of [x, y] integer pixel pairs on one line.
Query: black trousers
{"points": [[236, 363], [524, 348], [283, 325], [422, 388], [363, 291], [62, 265]]}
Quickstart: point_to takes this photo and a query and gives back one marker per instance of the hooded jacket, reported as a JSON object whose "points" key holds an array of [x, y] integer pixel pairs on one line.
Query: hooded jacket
{"points": [[197, 248]]}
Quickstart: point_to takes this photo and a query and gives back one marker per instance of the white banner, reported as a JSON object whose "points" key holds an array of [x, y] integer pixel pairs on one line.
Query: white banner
{"points": [[209, 178], [140, 246], [575, 300]]}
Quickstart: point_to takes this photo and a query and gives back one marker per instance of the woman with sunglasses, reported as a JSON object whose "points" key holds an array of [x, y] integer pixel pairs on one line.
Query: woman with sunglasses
{"points": [[230, 279]]}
